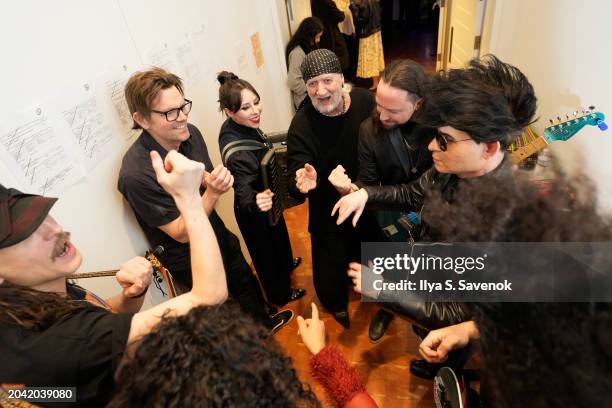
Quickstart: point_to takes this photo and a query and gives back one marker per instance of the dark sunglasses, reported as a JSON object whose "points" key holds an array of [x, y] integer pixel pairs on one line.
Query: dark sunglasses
{"points": [[443, 141]]}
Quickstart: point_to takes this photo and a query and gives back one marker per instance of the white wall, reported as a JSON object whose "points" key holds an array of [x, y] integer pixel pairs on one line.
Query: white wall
{"points": [[565, 48], [53, 48]]}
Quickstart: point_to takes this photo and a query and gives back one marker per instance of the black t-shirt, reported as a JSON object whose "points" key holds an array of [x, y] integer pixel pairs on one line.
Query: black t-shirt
{"points": [[325, 142], [153, 206], [80, 350]]}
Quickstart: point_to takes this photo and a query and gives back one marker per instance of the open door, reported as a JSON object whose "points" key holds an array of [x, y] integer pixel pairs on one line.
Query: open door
{"points": [[297, 10], [460, 32]]}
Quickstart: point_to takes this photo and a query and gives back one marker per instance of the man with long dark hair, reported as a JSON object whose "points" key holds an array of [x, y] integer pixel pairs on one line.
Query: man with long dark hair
{"points": [[392, 150], [51, 335]]}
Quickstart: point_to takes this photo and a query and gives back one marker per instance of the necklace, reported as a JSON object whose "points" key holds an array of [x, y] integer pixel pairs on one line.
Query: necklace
{"points": [[411, 163]]}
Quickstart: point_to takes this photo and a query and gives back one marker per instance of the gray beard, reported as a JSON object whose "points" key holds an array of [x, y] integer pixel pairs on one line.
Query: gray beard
{"points": [[328, 111]]}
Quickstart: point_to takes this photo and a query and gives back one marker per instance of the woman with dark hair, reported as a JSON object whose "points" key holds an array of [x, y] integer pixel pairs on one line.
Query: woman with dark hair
{"points": [[268, 245], [305, 39]]}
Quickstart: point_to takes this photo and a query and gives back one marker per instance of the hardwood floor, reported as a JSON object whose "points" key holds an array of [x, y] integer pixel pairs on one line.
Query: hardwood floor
{"points": [[383, 366]]}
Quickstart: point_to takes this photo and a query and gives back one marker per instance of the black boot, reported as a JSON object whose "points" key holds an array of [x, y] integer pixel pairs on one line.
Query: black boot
{"points": [[379, 324]]}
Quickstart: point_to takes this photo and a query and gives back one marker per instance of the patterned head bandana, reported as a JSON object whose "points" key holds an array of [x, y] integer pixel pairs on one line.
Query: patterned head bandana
{"points": [[319, 62]]}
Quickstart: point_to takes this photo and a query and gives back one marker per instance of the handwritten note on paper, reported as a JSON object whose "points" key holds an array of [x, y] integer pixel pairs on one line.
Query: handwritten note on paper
{"points": [[115, 88], [186, 56], [163, 58], [39, 157], [90, 128]]}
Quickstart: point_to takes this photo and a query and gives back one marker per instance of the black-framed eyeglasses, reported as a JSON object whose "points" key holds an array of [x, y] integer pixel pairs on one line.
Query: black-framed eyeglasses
{"points": [[443, 141], [173, 114]]}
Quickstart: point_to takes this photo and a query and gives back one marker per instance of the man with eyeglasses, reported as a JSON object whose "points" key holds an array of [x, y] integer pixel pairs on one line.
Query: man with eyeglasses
{"points": [[477, 112], [158, 106]]}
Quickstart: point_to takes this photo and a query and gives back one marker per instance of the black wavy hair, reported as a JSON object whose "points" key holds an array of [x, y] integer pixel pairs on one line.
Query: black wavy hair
{"points": [[214, 356], [539, 355], [304, 36], [230, 91], [490, 100], [407, 75]]}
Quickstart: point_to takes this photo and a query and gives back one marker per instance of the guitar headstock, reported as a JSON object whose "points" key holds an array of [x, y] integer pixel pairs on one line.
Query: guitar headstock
{"points": [[563, 129]]}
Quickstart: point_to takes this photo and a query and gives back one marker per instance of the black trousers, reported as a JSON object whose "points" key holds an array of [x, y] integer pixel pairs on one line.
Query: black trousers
{"points": [[331, 254], [241, 282], [270, 250]]}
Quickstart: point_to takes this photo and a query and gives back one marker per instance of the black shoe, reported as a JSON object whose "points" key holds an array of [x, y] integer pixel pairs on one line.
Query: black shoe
{"points": [[296, 262], [342, 317], [281, 319], [296, 293], [379, 325], [423, 369]]}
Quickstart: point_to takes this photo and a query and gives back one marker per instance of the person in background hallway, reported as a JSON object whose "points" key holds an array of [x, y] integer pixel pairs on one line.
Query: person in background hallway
{"points": [[158, 106], [268, 245], [332, 39], [366, 14], [306, 38], [322, 135], [347, 28]]}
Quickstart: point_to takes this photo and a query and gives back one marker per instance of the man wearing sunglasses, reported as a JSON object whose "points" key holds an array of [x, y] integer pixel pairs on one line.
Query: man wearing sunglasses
{"points": [[158, 106], [477, 112]]}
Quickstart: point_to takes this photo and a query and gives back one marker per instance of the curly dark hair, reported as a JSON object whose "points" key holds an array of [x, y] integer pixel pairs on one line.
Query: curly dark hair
{"points": [[536, 354], [304, 36], [214, 356], [490, 100]]}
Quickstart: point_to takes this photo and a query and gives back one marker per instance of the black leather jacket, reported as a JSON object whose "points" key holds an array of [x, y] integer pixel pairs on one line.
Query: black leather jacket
{"points": [[429, 315]]}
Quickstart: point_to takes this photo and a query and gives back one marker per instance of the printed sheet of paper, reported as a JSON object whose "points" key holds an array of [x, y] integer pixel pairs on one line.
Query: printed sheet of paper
{"points": [[41, 158], [89, 125], [187, 58], [163, 57], [115, 91]]}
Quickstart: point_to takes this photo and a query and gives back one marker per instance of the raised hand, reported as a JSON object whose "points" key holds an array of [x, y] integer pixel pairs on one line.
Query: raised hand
{"points": [[353, 203], [306, 179], [134, 276], [219, 181], [312, 331], [178, 175], [341, 182], [264, 200]]}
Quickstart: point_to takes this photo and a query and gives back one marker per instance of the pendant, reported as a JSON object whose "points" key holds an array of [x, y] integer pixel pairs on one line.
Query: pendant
{"points": [[413, 170]]}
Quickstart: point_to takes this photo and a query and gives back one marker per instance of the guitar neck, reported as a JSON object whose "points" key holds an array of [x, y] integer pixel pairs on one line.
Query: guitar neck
{"points": [[92, 274], [524, 152]]}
